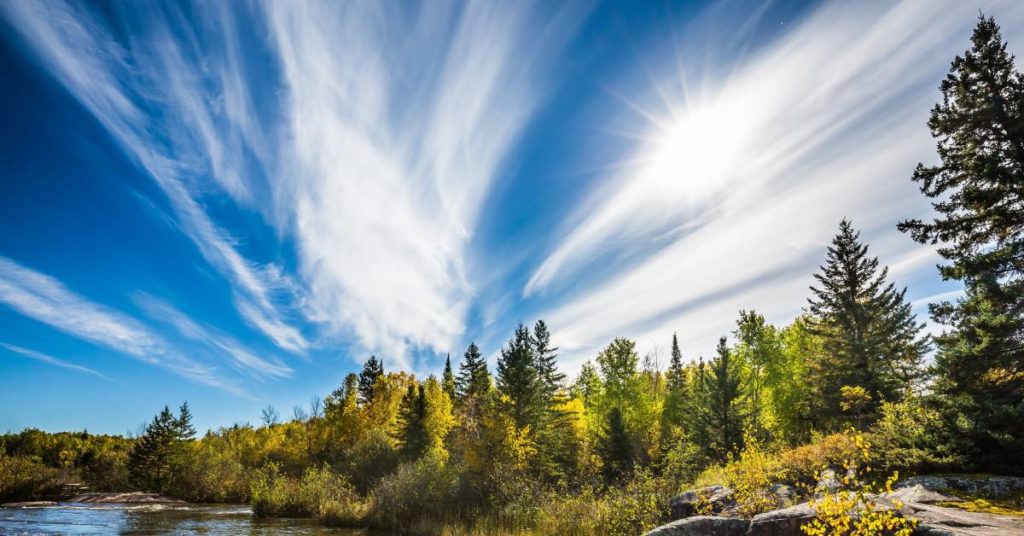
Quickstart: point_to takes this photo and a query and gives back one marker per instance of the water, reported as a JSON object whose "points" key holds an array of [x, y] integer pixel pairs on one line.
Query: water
{"points": [[80, 518]]}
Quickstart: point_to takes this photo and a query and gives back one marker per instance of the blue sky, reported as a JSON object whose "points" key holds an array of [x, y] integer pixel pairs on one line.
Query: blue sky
{"points": [[236, 203]]}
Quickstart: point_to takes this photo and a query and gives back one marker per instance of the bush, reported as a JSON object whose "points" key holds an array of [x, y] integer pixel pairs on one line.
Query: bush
{"points": [[22, 479], [907, 439], [416, 493], [319, 493]]}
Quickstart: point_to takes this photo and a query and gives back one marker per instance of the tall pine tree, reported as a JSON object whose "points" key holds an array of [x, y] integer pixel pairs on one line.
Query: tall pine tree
{"points": [[547, 362], [412, 433], [723, 395], [519, 379], [448, 378], [978, 188], [870, 338], [473, 381], [372, 370]]}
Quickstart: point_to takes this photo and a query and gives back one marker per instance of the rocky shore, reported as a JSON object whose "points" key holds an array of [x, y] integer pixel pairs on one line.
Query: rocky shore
{"points": [[925, 498]]}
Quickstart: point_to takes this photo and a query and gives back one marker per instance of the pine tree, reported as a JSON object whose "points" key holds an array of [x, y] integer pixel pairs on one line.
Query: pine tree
{"points": [[473, 379], [723, 416], [870, 338], [412, 434], [151, 460], [519, 380], [547, 362], [676, 378], [448, 379], [183, 429], [372, 370], [615, 447], [979, 192]]}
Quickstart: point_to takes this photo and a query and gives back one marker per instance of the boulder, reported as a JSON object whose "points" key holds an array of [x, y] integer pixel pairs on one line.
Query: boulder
{"points": [[919, 494], [941, 521], [712, 499], [703, 526], [985, 485], [784, 522]]}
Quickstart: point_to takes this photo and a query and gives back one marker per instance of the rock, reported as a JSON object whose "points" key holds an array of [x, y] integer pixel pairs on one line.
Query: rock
{"points": [[712, 499], [784, 495], [919, 494], [942, 521], [29, 504], [784, 522], [986, 485], [828, 482], [703, 526], [135, 497]]}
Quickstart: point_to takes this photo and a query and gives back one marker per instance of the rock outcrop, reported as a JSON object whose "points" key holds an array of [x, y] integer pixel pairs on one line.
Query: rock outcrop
{"points": [[134, 497], [918, 498]]}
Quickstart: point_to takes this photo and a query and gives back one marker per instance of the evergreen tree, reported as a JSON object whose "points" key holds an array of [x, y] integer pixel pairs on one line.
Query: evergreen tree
{"points": [[547, 362], [519, 380], [979, 190], [448, 379], [615, 447], [412, 433], [473, 379], [870, 338], [151, 460], [723, 417], [183, 429], [676, 378], [372, 370]]}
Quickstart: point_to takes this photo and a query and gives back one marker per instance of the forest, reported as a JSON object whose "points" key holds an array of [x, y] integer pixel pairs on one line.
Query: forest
{"points": [[521, 447]]}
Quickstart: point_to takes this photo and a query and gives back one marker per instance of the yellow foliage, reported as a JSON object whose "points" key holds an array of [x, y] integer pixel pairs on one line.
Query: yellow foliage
{"points": [[851, 511]]}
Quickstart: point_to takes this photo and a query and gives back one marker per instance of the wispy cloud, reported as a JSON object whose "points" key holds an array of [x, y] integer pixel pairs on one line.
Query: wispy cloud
{"points": [[113, 81], [398, 125], [45, 299], [748, 174], [372, 153], [212, 339], [50, 360]]}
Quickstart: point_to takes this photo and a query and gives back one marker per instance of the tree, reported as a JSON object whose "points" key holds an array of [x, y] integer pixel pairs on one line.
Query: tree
{"points": [[155, 458], [978, 188], [722, 416], [616, 447], [473, 380], [372, 370], [448, 379], [676, 378], [269, 416], [547, 362], [183, 429], [519, 380], [870, 337], [411, 416]]}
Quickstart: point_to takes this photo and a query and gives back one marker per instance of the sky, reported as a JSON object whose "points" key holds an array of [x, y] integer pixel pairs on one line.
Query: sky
{"points": [[235, 204]]}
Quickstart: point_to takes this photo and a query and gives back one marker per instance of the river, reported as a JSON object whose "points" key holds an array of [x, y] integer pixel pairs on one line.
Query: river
{"points": [[80, 518]]}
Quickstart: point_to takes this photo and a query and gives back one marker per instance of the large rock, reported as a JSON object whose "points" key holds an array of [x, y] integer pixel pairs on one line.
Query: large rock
{"points": [[986, 485], [703, 526], [941, 521], [709, 500], [784, 522], [919, 494]]}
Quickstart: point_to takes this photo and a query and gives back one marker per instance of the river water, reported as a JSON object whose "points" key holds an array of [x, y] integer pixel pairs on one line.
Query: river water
{"points": [[80, 518]]}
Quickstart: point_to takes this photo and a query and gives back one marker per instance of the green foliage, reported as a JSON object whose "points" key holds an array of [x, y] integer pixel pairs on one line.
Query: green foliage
{"points": [[372, 370], [978, 192], [22, 478], [319, 492], [474, 381], [870, 339], [156, 459], [519, 379]]}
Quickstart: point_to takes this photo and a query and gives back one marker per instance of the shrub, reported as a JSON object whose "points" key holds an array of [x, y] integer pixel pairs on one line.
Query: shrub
{"points": [[907, 439], [416, 492], [24, 479], [319, 493]]}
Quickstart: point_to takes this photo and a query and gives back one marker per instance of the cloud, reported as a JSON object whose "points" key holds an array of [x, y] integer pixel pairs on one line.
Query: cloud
{"points": [[212, 339], [748, 174], [113, 82], [38, 356], [45, 299], [398, 124]]}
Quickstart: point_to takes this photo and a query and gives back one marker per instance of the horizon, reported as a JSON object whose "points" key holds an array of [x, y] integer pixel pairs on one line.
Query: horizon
{"points": [[235, 206]]}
